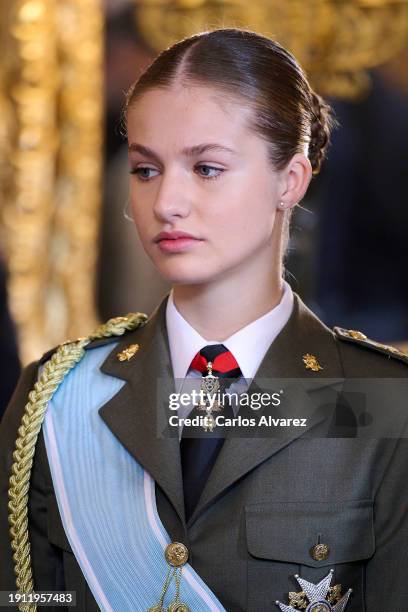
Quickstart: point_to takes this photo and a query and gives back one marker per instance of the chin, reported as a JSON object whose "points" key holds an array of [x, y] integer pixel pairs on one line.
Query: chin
{"points": [[178, 274]]}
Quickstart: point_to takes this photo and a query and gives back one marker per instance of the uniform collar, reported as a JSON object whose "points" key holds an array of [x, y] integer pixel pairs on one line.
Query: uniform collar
{"points": [[248, 345]]}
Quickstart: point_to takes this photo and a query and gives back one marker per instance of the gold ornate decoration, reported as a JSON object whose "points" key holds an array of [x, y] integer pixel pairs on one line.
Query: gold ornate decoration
{"points": [[51, 88], [334, 594], [335, 41], [176, 555], [357, 335], [210, 385], [311, 362], [52, 375], [177, 606], [299, 599], [128, 353], [320, 552]]}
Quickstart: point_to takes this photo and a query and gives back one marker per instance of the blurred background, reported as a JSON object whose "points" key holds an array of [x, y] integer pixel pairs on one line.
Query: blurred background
{"points": [[69, 258]]}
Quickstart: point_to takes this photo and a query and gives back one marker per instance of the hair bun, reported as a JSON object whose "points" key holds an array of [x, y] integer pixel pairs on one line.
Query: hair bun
{"points": [[321, 125]]}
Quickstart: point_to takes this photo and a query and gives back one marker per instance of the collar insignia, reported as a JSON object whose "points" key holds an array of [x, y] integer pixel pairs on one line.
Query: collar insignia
{"points": [[128, 352], [311, 362]]}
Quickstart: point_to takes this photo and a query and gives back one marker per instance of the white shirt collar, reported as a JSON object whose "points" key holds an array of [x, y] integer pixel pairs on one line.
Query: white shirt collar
{"points": [[248, 345]]}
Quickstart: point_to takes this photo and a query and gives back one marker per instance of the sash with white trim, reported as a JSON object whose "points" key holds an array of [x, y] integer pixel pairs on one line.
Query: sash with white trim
{"points": [[107, 500]]}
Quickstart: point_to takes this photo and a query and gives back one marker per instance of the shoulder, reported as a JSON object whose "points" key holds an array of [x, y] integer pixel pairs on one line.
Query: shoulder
{"points": [[72, 350], [365, 357], [342, 352], [107, 333]]}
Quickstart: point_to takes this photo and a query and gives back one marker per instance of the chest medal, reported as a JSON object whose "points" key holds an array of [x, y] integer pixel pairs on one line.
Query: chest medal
{"points": [[320, 597]]}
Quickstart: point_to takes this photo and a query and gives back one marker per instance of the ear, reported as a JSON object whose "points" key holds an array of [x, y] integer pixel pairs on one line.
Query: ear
{"points": [[295, 179]]}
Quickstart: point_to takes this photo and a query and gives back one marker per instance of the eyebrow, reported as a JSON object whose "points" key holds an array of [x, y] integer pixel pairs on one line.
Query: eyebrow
{"points": [[187, 151]]}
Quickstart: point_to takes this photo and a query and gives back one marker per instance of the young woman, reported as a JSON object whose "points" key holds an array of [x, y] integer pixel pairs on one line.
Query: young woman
{"points": [[224, 135]]}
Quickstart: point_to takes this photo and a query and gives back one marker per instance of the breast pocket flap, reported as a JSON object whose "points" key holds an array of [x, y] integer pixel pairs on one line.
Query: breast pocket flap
{"points": [[289, 531]]}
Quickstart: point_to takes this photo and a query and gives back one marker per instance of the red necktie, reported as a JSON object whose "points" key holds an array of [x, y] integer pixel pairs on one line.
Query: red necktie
{"points": [[224, 364]]}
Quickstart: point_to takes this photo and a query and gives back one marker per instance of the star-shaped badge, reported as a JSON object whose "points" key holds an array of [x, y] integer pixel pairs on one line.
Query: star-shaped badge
{"points": [[317, 596]]}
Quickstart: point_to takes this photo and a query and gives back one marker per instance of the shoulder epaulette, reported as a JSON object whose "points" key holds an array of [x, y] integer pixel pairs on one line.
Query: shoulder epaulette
{"points": [[357, 337], [105, 333], [47, 355]]}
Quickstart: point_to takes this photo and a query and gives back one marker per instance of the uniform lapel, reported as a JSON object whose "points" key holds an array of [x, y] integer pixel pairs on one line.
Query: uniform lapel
{"points": [[136, 414], [303, 334]]}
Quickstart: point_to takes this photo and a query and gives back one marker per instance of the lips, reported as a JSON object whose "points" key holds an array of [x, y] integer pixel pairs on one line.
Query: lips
{"points": [[176, 242], [173, 236]]}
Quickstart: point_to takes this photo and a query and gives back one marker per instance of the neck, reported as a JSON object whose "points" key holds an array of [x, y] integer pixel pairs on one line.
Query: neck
{"points": [[218, 309]]}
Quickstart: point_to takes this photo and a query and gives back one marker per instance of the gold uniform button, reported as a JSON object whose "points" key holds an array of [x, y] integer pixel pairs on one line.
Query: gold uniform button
{"points": [[178, 607], [319, 552], [176, 554]]}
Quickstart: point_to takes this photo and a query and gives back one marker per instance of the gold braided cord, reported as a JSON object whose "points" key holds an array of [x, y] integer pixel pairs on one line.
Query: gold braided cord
{"points": [[118, 325], [52, 375]]}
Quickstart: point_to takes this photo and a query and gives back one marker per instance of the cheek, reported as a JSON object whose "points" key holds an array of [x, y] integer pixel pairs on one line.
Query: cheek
{"points": [[250, 223], [139, 216]]}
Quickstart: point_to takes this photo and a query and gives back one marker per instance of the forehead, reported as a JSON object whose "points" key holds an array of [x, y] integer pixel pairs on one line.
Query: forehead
{"points": [[187, 112]]}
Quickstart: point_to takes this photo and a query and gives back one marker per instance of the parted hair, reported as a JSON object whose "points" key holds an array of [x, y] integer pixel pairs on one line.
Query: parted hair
{"points": [[243, 64]]}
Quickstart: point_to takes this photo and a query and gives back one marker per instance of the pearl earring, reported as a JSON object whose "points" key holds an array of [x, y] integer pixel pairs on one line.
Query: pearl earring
{"points": [[282, 204]]}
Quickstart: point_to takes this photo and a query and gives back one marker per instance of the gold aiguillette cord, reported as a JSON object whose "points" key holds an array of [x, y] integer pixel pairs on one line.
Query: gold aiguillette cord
{"points": [[176, 555]]}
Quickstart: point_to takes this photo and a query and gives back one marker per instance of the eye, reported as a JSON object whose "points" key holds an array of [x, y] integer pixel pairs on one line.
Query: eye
{"points": [[142, 172], [207, 170]]}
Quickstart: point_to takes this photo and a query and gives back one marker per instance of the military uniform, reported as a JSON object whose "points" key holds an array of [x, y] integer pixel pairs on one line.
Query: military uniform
{"points": [[273, 507]]}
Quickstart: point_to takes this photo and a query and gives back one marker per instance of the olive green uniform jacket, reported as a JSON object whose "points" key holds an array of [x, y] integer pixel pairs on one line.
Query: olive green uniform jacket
{"points": [[267, 500]]}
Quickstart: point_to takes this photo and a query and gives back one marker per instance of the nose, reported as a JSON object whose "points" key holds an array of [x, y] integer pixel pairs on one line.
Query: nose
{"points": [[172, 198]]}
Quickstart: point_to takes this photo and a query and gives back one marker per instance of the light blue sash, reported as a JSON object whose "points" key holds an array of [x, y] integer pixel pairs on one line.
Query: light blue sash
{"points": [[107, 500]]}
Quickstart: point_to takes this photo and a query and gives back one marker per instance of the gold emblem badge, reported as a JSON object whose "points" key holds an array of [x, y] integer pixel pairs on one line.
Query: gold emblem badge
{"points": [[128, 352], [299, 599], [357, 335], [176, 554], [311, 362], [319, 552]]}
